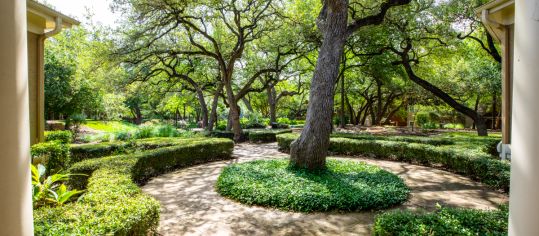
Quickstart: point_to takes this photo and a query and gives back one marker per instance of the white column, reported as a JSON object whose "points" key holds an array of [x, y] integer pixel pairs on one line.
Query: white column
{"points": [[524, 195], [15, 187]]}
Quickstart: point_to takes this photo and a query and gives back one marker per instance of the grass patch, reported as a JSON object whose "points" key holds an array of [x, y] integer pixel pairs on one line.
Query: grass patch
{"points": [[111, 126], [344, 186]]}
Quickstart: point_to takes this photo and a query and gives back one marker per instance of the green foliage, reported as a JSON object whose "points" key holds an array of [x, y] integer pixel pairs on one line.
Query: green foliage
{"points": [[453, 126], [409, 139], [50, 191], [266, 136], [427, 120], [114, 204], [61, 136], [444, 221], [344, 186], [470, 162], [110, 126], [53, 155]]}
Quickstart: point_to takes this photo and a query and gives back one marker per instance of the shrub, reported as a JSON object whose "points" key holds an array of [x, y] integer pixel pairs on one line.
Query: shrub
{"points": [[279, 126], [284, 120], [427, 120], [53, 155], [144, 131], [473, 163], [166, 131], [123, 136], [265, 136], [221, 125], [113, 203], [344, 186], [408, 139], [50, 191], [61, 136], [444, 221], [453, 126], [89, 151]]}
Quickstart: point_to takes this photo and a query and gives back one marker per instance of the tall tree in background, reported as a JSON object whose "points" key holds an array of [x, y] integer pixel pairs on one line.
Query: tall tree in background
{"points": [[310, 150]]}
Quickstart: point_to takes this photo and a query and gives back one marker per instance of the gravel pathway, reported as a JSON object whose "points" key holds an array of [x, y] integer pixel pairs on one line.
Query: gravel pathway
{"points": [[191, 206]]}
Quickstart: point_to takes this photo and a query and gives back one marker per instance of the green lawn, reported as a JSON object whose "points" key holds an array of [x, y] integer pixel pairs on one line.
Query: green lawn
{"points": [[110, 126]]}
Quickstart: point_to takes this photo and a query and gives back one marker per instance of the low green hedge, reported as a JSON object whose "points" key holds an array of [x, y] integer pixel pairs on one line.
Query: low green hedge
{"points": [[61, 136], [113, 203], [445, 221], [473, 163], [344, 186], [53, 155], [266, 136], [408, 139], [80, 152]]}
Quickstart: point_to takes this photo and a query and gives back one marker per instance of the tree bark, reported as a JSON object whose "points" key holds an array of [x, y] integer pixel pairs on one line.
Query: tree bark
{"points": [[234, 112], [342, 121], [214, 104], [309, 151], [203, 107], [272, 102]]}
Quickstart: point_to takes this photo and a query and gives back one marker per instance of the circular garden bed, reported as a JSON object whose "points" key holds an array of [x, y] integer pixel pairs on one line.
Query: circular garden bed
{"points": [[343, 186]]}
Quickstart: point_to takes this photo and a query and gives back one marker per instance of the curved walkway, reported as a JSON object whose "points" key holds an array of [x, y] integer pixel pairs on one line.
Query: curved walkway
{"points": [[191, 206]]}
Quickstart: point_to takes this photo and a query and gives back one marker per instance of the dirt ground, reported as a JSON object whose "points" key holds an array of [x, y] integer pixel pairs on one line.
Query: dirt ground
{"points": [[191, 206]]}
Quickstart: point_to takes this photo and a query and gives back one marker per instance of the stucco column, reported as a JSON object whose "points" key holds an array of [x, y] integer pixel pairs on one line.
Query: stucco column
{"points": [[15, 187], [524, 195]]}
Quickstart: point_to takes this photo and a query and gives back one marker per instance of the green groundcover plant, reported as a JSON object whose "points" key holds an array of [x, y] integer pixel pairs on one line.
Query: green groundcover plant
{"points": [[444, 221], [344, 186]]}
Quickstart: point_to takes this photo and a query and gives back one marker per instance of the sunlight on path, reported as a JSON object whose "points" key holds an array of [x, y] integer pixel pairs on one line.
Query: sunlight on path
{"points": [[191, 206]]}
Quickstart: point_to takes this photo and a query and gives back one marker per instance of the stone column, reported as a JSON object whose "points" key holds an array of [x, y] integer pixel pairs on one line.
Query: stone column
{"points": [[15, 188], [524, 200]]}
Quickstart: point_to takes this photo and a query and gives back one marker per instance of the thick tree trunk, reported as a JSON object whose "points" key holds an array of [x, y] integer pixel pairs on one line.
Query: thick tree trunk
{"points": [[272, 102], [203, 108], [138, 115], [309, 151], [234, 112], [214, 104]]}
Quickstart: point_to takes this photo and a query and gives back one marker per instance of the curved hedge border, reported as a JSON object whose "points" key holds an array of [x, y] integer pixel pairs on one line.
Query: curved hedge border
{"points": [[345, 186], [113, 203], [444, 221], [408, 139], [473, 163]]}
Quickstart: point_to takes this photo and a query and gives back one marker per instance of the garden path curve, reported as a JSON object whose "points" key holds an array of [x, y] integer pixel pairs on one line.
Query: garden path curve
{"points": [[191, 206]]}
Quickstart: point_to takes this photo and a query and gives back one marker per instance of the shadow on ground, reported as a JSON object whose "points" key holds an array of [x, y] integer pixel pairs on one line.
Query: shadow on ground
{"points": [[191, 206]]}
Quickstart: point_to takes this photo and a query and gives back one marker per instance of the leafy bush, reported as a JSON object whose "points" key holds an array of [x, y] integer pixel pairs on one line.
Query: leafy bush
{"points": [[221, 125], [50, 191], [113, 203], [61, 136], [53, 155], [123, 136], [265, 136], [344, 186], [408, 139], [144, 131], [473, 163], [279, 126], [453, 126], [284, 120], [166, 131], [427, 120], [445, 221]]}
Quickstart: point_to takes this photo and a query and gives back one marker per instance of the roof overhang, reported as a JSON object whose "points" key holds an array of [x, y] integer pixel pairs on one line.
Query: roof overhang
{"points": [[42, 19], [497, 15]]}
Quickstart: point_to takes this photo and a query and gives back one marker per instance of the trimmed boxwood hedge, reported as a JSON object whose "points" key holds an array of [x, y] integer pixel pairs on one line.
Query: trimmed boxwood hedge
{"points": [[80, 152], [345, 186], [53, 155], [408, 139], [473, 163], [444, 221], [266, 136], [61, 136], [113, 203]]}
